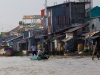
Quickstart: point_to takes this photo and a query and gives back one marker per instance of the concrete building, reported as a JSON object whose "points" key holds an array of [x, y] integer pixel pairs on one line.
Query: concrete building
{"points": [[94, 16], [64, 15], [89, 5]]}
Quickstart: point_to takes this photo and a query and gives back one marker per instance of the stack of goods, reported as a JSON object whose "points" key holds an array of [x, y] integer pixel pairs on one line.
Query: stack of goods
{"points": [[38, 46], [86, 47], [59, 47], [8, 53], [80, 47]]}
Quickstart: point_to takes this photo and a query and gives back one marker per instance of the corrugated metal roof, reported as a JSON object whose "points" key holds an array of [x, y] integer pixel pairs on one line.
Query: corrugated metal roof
{"points": [[9, 38], [94, 12], [67, 39], [78, 27], [65, 3], [93, 37], [16, 38], [85, 34], [15, 29], [73, 29]]}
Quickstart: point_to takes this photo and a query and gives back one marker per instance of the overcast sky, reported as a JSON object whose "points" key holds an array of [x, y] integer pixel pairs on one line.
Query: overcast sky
{"points": [[12, 11]]}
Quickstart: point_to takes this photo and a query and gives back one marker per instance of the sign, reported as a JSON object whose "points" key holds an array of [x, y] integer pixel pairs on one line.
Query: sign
{"points": [[32, 17]]}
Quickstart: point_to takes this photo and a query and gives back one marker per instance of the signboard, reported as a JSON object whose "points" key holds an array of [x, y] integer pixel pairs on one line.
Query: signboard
{"points": [[32, 17]]}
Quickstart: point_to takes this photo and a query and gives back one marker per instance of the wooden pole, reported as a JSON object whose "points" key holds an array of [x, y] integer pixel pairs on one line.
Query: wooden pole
{"points": [[94, 50]]}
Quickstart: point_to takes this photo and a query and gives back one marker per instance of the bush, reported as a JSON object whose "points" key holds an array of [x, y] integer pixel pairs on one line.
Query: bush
{"points": [[18, 53]]}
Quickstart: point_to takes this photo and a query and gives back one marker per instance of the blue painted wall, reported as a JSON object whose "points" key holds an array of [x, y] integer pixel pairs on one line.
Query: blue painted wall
{"points": [[59, 11], [25, 34], [11, 43], [33, 41], [17, 39], [62, 14]]}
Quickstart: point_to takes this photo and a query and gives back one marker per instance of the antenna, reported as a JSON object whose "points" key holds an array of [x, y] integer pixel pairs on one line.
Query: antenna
{"points": [[46, 22], [64, 1], [55, 3]]}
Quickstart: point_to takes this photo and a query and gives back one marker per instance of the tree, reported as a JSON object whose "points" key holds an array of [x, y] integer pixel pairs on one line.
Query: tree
{"points": [[21, 23]]}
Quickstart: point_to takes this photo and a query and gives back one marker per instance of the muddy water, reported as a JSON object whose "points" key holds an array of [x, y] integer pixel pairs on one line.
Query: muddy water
{"points": [[53, 66]]}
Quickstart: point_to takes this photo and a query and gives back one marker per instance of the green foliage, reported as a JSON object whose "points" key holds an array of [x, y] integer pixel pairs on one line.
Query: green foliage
{"points": [[3, 34], [18, 53], [21, 23]]}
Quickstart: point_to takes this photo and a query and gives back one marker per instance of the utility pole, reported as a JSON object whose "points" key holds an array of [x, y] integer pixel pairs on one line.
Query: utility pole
{"points": [[70, 11], [90, 25], [46, 15]]}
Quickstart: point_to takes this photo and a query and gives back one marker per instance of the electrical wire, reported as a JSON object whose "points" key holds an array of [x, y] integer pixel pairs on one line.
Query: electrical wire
{"points": [[6, 24]]}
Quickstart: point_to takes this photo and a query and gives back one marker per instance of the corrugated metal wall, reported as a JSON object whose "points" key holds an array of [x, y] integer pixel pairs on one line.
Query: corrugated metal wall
{"points": [[26, 34], [42, 15], [77, 13], [60, 17], [33, 41], [49, 20]]}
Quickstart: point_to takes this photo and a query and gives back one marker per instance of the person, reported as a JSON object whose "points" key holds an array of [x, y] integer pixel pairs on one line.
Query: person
{"points": [[67, 49], [33, 48], [40, 53], [90, 45], [6, 48]]}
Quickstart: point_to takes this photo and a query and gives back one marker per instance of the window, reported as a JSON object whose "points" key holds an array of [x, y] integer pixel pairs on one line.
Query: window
{"points": [[99, 18], [49, 20], [49, 13], [93, 26]]}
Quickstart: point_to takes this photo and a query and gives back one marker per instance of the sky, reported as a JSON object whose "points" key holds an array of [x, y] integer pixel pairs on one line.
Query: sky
{"points": [[12, 11]]}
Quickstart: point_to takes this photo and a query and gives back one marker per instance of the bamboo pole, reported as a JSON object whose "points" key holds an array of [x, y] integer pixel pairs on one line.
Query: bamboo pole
{"points": [[94, 50]]}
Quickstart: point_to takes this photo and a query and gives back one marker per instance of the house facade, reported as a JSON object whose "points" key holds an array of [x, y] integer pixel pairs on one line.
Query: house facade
{"points": [[65, 15], [93, 16], [72, 35], [88, 5]]}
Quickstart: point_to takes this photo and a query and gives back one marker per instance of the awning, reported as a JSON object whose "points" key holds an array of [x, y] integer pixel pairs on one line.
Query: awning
{"points": [[85, 34], [67, 39], [92, 34]]}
